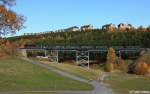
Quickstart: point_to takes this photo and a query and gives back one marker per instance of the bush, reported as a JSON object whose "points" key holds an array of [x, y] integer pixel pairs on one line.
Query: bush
{"points": [[7, 49], [114, 63], [141, 68], [122, 65], [2, 53], [148, 71], [109, 67]]}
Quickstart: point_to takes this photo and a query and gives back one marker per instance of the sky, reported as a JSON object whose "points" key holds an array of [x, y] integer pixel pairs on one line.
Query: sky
{"points": [[50, 15]]}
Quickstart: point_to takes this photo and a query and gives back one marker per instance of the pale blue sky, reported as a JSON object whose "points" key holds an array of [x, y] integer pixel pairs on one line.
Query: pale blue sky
{"points": [[47, 15]]}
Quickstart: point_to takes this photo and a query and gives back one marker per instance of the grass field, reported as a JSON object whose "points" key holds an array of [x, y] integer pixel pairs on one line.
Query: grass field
{"points": [[76, 70], [119, 82], [37, 93], [123, 83], [19, 75], [32, 93]]}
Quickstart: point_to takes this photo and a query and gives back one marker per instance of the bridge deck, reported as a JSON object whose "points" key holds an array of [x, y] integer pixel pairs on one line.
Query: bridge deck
{"points": [[83, 48], [82, 52]]}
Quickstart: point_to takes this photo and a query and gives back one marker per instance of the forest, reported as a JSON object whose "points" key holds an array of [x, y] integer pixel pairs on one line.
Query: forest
{"points": [[96, 37]]}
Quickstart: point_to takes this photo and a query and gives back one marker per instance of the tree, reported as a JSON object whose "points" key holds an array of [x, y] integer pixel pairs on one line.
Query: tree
{"points": [[111, 60], [122, 65], [7, 2], [148, 28], [10, 22], [111, 56]]}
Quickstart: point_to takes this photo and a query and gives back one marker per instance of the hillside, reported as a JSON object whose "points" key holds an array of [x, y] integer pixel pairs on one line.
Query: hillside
{"points": [[96, 37]]}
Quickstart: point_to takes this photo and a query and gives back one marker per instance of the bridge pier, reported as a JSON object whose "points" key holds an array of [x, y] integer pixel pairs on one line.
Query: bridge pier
{"points": [[24, 52], [119, 53], [82, 58], [45, 53], [53, 56]]}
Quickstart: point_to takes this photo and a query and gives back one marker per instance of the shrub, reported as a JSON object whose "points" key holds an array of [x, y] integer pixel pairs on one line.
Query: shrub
{"points": [[122, 65], [2, 53], [141, 68], [148, 71], [7, 49], [109, 67]]}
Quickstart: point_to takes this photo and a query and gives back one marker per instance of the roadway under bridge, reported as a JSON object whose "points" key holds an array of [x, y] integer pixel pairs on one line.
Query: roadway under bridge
{"points": [[81, 52]]}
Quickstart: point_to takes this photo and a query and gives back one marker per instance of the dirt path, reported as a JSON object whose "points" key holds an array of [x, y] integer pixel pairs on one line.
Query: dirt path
{"points": [[98, 88]]}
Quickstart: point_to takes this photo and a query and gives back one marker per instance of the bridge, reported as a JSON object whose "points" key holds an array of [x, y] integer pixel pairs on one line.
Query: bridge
{"points": [[81, 52]]}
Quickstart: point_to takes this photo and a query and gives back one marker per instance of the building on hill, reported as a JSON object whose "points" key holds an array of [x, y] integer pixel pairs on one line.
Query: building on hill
{"points": [[109, 27], [142, 29], [125, 27], [30, 34], [148, 28], [59, 30], [86, 27], [73, 29]]}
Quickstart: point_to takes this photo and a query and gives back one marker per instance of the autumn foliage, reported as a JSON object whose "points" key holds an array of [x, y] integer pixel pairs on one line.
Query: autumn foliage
{"points": [[141, 66], [8, 48], [109, 67], [121, 65], [10, 22], [111, 60], [114, 62]]}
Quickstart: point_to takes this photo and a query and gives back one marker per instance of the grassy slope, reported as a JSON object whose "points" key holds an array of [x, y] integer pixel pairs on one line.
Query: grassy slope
{"points": [[76, 70], [18, 75], [121, 83]]}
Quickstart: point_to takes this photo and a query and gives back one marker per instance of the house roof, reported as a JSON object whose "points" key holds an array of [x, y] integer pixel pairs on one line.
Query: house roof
{"points": [[86, 26]]}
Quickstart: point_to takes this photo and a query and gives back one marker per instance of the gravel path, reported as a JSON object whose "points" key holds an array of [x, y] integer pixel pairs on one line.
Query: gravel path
{"points": [[98, 88]]}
